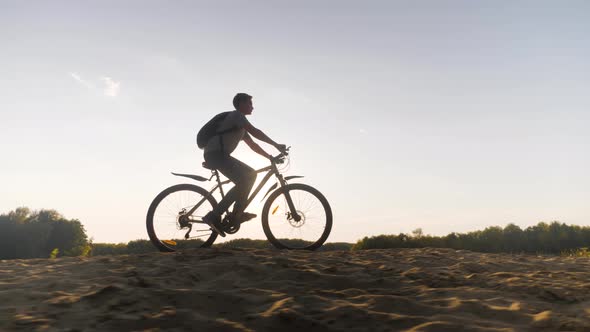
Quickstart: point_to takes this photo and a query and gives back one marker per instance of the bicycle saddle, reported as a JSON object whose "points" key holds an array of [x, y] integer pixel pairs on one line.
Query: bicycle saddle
{"points": [[205, 165]]}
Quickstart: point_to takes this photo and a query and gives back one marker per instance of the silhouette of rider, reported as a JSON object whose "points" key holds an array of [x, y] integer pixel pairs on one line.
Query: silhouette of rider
{"points": [[218, 156]]}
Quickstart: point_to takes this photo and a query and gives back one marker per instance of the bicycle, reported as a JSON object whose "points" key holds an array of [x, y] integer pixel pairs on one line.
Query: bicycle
{"points": [[177, 212]]}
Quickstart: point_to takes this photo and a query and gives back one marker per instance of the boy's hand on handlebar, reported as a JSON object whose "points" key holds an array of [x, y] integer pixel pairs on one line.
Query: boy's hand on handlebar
{"points": [[281, 147]]}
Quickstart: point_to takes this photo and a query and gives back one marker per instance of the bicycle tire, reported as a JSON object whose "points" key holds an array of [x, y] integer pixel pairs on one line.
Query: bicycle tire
{"points": [[156, 202], [294, 187]]}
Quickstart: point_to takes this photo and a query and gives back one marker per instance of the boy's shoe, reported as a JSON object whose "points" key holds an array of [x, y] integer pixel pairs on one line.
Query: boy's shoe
{"points": [[214, 221]]}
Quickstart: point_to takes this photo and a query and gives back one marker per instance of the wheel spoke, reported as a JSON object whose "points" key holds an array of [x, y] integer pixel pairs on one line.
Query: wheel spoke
{"points": [[163, 222], [310, 230]]}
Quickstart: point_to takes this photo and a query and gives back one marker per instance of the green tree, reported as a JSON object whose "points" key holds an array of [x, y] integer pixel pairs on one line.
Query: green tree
{"points": [[27, 234]]}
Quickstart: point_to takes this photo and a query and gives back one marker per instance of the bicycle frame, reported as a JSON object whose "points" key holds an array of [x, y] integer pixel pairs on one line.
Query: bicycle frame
{"points": [[271, 170]]}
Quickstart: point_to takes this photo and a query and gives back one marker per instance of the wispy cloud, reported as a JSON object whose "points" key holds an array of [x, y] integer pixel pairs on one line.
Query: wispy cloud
{"points": [[108, 86], [362, 131], [112, 87], [81, 81]]}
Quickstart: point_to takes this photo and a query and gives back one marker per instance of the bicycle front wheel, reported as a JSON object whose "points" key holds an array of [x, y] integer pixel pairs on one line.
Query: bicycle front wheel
{"points": [[281, 228], [168, 223]]}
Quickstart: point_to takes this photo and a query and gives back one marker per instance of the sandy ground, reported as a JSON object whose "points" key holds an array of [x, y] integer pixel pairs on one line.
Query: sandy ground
{"points": [[263, 290]]}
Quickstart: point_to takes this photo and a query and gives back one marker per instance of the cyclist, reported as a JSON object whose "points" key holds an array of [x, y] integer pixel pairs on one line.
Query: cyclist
{"points": [[218, 156]]}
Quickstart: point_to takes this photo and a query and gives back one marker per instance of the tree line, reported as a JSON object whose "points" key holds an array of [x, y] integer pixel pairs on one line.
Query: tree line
{"points": [[46, 233], [546, 238]]}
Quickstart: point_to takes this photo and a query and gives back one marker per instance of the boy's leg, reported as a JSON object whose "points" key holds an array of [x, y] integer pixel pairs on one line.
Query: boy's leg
{"points": [[242, 175]]}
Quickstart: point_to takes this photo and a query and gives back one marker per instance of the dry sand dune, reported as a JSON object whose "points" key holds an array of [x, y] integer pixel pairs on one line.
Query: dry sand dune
{"points": [[252, 290]]}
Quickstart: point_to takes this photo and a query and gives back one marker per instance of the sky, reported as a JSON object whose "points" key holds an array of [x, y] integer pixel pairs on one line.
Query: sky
{"points": [[450, 116]]}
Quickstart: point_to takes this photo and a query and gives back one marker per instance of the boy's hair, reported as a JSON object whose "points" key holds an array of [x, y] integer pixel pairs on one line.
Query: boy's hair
{"points": [[240, 97]]}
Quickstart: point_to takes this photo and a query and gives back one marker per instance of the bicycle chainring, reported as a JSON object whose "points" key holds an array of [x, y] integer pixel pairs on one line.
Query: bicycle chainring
{"points": [[229, 226]]}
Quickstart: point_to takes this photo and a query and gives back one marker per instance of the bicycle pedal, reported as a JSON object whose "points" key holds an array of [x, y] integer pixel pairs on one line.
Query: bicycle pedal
{"points": [[248, 216]]}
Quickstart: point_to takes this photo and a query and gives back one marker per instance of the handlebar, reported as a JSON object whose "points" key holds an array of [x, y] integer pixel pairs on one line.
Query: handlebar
{"points": [[280, 158]]}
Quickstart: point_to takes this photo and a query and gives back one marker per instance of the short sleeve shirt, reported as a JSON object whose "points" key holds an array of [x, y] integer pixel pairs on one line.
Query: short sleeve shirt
{"points": [[232, 138]]}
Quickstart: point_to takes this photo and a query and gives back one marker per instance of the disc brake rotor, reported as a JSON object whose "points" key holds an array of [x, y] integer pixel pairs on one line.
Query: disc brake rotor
{"points": [[295, 223]]}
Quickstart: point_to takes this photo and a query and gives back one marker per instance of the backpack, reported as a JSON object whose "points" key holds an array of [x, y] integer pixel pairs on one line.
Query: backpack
{"points": [[210, 129]]}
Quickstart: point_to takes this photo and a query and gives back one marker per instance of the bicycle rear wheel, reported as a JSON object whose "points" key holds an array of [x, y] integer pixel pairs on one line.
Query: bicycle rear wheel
{"points": [[283, 231], [167, 223]]}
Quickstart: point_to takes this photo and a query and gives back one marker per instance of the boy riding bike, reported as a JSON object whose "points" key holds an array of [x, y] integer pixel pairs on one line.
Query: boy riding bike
{"points": [[232, 128]]}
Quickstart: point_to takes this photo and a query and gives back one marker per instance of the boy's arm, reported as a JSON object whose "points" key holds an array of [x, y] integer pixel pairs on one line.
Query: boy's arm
{"points": [[255, 147], [257, 133]]}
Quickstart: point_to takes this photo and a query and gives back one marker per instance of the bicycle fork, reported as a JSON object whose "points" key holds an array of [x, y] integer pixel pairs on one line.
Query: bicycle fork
{"points": [[293, 212]]}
